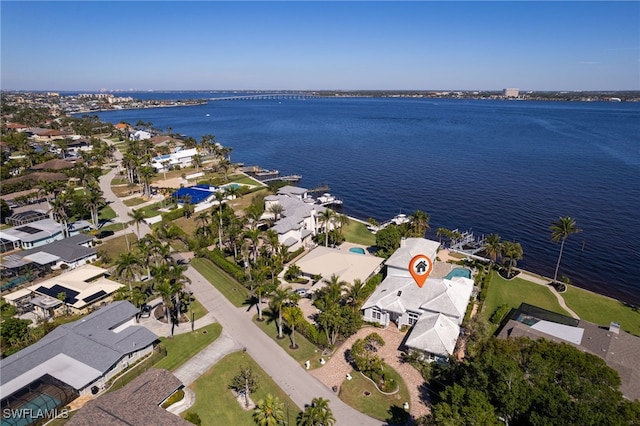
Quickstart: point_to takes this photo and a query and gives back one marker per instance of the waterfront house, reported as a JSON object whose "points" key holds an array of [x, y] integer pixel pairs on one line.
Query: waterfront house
{"points": [[178, 158], [298, 222], [75, 359], [39, 233], [434, 311], [615, 346]]}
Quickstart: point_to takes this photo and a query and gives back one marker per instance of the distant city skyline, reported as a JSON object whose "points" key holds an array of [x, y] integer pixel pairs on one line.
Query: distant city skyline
{"points": [[216, 45]]}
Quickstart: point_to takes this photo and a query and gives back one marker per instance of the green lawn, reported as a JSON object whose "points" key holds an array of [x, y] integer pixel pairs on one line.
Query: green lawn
{"points": [[117, 245], [119, 181], [376, 405], [235, 292], [516, 291], [181, 347], [244, 179], [216, 405], [602, 310], [153, 209], [306, 350], [134, 201], [357, 233], [198, 310], [106, 213]]}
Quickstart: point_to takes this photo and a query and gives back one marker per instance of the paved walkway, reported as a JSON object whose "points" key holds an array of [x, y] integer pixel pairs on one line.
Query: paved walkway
{"points": [[284, 370], [334, 372], [545, 282]]}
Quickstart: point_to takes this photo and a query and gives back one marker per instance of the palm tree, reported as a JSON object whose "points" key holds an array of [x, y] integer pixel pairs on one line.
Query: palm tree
{"points": [[333, 290], [493, 248], [203, 219], [560, 231], [197, 161], [293, 316], [512, 252], [128, 266], [138, 218], [317, 413], [220, 196], [355, 294], [326, 217], [278, 300], [269, 412], [276, 209], [419, 223], [93, 201], [59, 211], [342, 220]]}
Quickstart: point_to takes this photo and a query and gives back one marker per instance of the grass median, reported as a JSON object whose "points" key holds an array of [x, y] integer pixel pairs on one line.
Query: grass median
{"points": [[182, 347], [235, 292]]}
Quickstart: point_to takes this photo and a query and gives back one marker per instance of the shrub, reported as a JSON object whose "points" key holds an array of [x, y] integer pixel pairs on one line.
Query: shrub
{"points": [[177, 396], [193, 418], [218, 258], [500, 312]]}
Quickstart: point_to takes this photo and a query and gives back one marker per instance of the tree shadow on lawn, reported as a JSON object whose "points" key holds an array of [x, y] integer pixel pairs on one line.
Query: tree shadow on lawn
{"points": [[398, 416]]}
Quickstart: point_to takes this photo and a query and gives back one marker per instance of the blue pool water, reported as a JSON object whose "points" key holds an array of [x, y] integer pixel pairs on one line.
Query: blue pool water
{"points": [[459, 272], [357, 250]]}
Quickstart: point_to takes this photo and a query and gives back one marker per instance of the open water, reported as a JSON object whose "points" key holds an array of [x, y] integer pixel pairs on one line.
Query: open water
{"points": [[506, 167]]}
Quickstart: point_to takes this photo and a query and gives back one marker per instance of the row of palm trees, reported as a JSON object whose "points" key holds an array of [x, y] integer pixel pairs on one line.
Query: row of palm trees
{"points": [[271, 412], [510, 251]]}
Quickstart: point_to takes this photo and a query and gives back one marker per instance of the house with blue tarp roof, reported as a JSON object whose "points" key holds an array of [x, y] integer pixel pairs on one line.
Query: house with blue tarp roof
{"points": [[195, 194]]}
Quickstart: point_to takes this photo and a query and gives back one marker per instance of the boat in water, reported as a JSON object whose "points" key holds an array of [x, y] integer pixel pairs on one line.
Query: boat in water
{"points": [[327, 199]]}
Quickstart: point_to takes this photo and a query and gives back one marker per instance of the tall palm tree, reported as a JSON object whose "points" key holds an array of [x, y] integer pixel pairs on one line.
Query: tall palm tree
{"points": [[93, 201], [279, 298], [560, 231], [419, 223], [512, 252], [317, 413], [269, 412], [220, 196], [493, 248], [293, 316], [59, 211], [128, 266], [203, 219], [138, 218], [326, 217], [355, 293]]}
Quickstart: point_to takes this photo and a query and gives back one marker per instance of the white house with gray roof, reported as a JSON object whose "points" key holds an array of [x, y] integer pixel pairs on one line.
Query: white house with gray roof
{"points": [[81, 354], [434, 311], [298, 222], [39, 233]]}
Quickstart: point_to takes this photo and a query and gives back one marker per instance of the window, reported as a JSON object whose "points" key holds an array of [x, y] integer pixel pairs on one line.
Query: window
{"points": [[376, 314], [413, 318]]}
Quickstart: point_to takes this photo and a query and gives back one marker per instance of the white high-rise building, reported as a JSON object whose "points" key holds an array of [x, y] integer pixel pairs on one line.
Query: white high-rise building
{"points": [[511, 93]]}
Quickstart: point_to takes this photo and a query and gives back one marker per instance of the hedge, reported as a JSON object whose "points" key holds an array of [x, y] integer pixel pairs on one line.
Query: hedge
{"points": [[218, 258]]}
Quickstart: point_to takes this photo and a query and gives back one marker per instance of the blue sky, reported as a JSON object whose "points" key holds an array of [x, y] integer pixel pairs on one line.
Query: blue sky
{"points": [[430, 45]]}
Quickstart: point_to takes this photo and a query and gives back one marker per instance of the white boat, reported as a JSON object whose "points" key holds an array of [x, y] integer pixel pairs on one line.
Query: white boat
{"points": [[208, 115], [400, 219], [327, 199]]}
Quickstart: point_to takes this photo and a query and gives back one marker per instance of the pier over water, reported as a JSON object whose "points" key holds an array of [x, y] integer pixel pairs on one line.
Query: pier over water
{"points": [[279, 96]]}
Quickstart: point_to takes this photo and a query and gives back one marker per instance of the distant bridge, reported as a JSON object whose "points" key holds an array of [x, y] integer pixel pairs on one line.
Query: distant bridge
{"points": [[247, 97]]}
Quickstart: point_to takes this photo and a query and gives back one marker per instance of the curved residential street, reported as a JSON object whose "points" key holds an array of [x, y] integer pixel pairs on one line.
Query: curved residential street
{"points": [[121, 210], [301, 386]]}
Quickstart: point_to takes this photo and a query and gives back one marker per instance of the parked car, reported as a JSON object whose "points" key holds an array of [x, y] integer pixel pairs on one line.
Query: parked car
{"points": [[104, 234], [302, 292], [145, 312]]}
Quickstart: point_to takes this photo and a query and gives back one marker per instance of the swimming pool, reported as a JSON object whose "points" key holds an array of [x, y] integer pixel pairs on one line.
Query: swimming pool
{"points": [[459, 272], [358, 250]]}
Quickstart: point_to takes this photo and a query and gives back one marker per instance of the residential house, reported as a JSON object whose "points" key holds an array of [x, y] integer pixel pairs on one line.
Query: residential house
{"points": [[72, 252], [178, 158], [298, 222], [84, 288], [131, 406], [434, 311], [75, 359], [39, 233], [615, 346]]}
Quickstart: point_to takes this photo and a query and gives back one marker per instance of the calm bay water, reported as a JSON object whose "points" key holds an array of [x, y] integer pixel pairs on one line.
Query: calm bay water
{"points": [[488, 166]]}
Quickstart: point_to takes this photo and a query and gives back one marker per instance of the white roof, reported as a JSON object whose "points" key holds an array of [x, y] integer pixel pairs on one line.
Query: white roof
{"points": [[348, 266], [561, 331], [434, 333], [437, 295], [17, 294], [42, 258], [411, 247], [87, 282]]}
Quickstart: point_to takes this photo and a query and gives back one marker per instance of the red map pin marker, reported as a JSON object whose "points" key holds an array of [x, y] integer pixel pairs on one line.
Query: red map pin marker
{"points": [[420, 268]]}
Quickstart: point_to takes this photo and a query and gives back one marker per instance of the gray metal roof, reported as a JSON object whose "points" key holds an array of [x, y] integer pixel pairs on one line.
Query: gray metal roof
{"points": [[89, 343]]}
